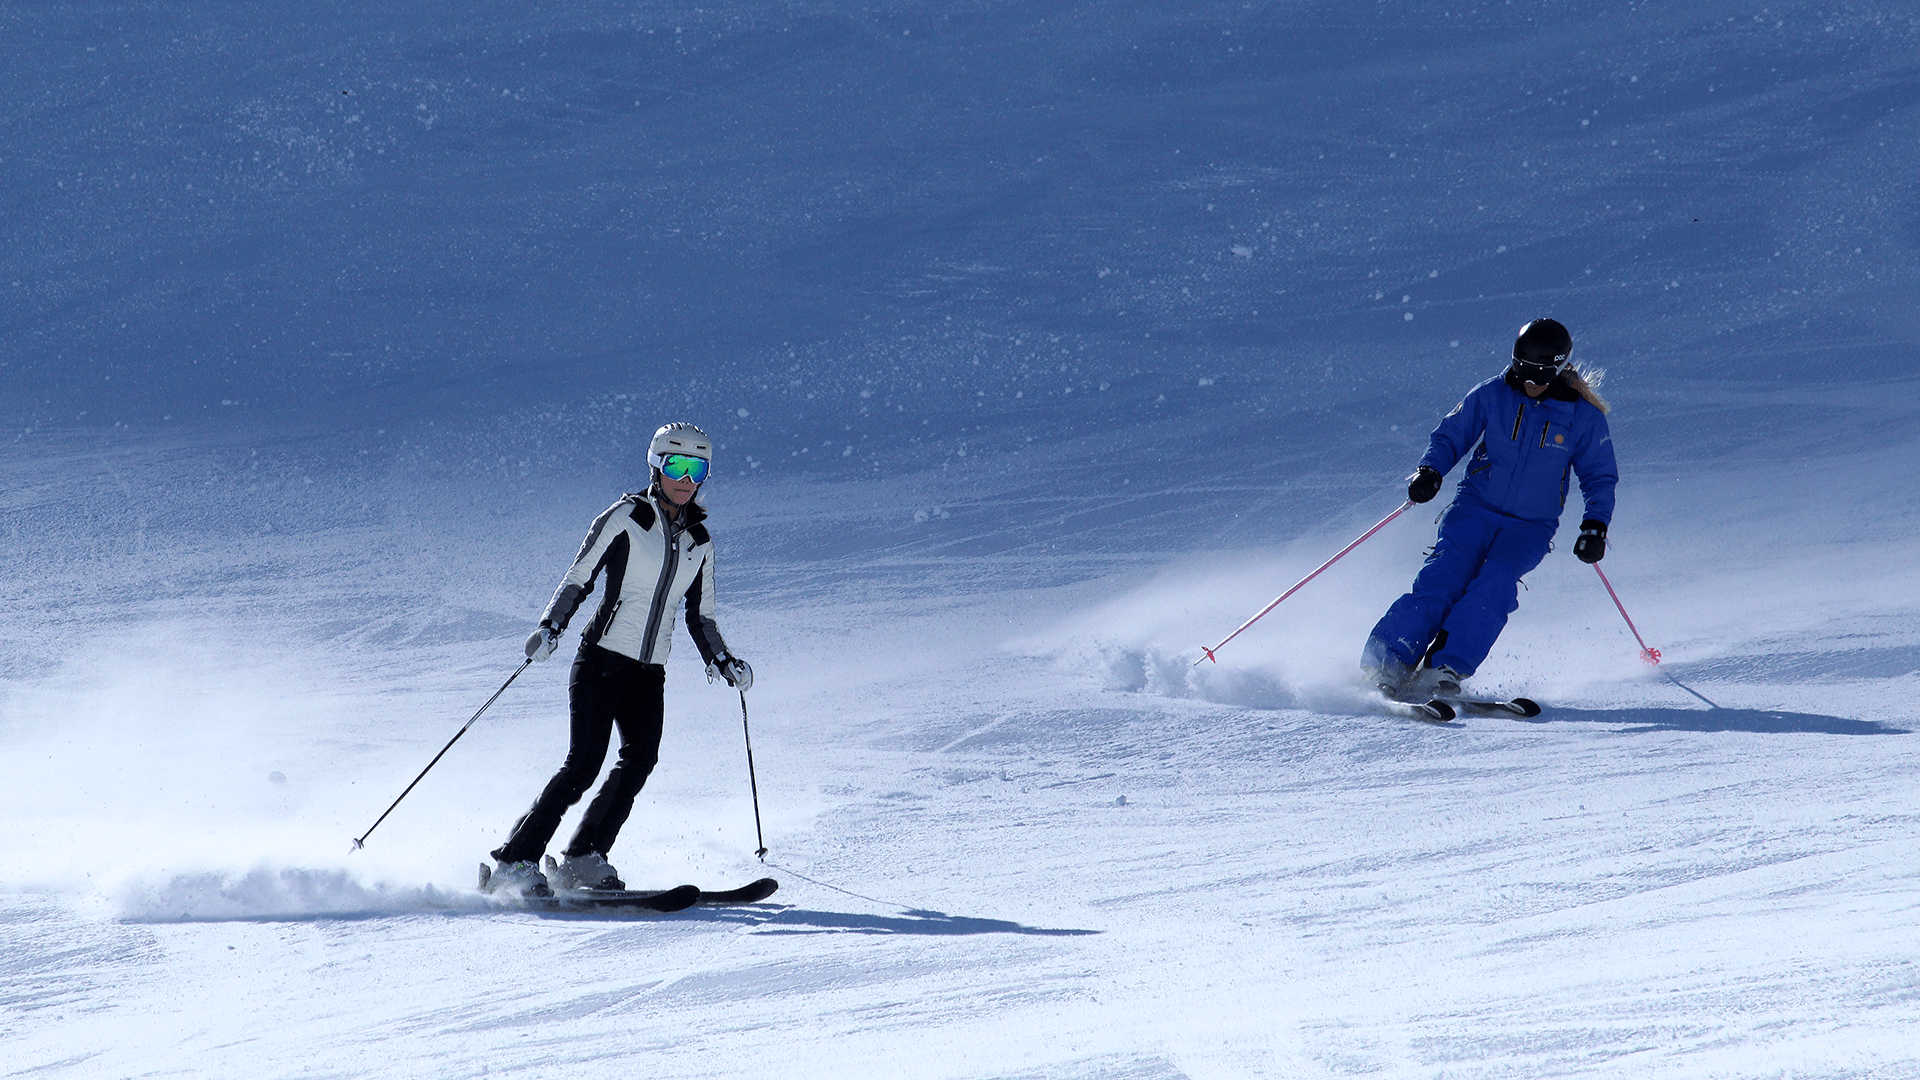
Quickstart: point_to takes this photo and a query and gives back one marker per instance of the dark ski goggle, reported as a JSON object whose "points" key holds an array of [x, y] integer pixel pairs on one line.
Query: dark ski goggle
{"points": [[684, 467], [1537, 373]]}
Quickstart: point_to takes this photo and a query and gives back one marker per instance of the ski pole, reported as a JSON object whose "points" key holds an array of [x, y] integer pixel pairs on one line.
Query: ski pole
{"points": [[1651, 656], [1296, 586], [361, 842], [752, 783]]}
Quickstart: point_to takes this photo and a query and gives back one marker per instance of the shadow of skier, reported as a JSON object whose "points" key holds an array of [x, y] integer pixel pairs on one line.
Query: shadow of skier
{"points": [[1758, 721], [923, 923]]}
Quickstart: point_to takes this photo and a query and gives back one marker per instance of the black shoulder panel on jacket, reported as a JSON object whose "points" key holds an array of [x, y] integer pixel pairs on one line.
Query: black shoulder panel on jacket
{"points": [[642, 512], [699, 533]]}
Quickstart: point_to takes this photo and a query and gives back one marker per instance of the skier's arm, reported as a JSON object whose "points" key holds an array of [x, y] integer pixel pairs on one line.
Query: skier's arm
{"points": [[1457, 432], [1598, 471], [700, 621], [578, 581]]}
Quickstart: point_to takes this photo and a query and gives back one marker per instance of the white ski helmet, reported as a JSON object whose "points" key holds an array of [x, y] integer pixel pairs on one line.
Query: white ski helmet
{"points": [[678, 438]]}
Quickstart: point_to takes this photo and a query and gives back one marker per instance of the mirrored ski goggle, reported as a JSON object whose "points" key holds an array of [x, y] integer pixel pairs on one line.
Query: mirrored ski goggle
{"points": [[684, 467]]}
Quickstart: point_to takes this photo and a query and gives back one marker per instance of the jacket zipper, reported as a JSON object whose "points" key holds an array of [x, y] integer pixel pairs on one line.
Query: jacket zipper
{"points": [[1543, 432], [1517, 417], [668, 563], [601, 625]]}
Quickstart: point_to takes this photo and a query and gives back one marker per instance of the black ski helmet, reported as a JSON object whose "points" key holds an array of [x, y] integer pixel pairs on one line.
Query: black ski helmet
{"points": [[1541, 350]]}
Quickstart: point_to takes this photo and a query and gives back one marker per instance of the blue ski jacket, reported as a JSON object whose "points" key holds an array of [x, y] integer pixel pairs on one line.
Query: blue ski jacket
{"points": [[1526, 450]]}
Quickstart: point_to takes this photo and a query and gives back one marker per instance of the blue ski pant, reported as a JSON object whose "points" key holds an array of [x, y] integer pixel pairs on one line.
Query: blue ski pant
{"points": [[1468, 587]]}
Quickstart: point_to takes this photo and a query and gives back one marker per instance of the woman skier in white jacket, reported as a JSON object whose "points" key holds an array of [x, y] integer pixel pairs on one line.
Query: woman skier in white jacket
{"points": [[651, 550]]}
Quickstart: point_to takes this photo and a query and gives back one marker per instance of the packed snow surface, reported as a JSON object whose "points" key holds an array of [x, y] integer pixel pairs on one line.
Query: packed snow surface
{"points": [[1042, 344]]}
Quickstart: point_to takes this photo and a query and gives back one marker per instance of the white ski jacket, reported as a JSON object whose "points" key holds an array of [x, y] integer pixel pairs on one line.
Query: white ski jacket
{"points": [[651, 562]]}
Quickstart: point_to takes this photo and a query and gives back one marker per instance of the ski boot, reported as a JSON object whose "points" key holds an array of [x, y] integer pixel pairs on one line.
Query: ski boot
{"points": [[1440, 682], [1393, 678], [589, 871], [523, 878]]}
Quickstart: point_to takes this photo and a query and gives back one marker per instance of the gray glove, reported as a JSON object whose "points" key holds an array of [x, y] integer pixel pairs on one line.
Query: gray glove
{"points": [[540, 643], [733, 669]]}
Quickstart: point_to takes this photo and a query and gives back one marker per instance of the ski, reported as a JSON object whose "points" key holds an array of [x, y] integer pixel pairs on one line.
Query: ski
{"points": [[1435, 711], [751, 893], [1513, 707], [678, 898]]}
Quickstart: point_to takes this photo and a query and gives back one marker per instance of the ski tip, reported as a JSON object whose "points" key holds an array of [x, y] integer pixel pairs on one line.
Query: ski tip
{"points": [[1526, 706], [1441, 711], [486, 875], [678, 898], [751, 893]]}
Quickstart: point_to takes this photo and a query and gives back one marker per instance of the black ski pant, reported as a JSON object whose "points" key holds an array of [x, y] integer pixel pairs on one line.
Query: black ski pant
{"points": [[606, 690]]}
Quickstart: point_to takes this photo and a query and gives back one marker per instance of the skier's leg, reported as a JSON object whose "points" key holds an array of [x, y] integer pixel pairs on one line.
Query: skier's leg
{"points": [[1404, 632], [591, 726], [1481, 613], [642, 707]]}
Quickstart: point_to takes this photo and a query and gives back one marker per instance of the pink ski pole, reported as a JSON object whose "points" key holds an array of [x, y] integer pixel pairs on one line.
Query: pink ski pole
{"points": [[1298, 584], [1651, 656]]}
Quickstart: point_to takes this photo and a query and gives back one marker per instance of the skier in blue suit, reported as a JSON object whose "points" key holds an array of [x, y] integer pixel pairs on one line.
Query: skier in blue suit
{"points": [[1529, 431]]}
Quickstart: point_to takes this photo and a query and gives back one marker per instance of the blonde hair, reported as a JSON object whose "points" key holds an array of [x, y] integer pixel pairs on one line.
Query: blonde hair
{"points": [[1588, 386]]}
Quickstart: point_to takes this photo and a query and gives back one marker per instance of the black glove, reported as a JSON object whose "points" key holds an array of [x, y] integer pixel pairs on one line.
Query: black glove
{"points": [[1592, 544], [733, 669], [1423, 485]]}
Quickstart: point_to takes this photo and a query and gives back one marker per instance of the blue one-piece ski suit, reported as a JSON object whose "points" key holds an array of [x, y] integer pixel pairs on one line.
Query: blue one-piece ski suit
{"points": [[1503, 516]]}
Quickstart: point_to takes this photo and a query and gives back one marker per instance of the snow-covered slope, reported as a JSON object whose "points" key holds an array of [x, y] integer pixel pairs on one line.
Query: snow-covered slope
{"points": [[1043, 343]]}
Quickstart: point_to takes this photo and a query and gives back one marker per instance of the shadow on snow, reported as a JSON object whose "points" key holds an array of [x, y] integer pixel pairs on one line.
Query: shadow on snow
{"points": [[1759, 721], [770, 918], [929, 923]]}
